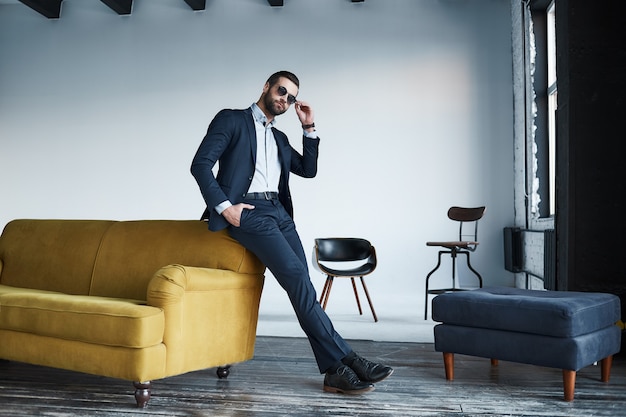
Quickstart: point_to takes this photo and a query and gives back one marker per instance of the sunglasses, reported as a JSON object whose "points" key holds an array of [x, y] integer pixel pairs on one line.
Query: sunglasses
{"points": [[282, 91]]}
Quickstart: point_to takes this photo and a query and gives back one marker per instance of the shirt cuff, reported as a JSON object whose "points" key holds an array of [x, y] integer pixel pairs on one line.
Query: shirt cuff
{"points": [[222, 206], [310, 135]]}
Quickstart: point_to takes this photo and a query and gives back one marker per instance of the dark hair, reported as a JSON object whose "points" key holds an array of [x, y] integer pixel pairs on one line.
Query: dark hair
{"points": [[273, 79]]}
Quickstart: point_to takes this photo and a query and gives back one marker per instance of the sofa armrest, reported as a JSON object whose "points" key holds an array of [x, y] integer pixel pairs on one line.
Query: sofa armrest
{"points": [[210, 315]]}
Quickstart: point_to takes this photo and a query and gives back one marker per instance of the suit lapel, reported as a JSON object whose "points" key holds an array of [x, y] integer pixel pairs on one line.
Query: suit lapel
{"points": [[251, 133]]}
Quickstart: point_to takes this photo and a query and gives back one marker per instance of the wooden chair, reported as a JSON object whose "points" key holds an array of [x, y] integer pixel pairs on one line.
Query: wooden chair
{"points": [[468, 241], [330, 253]]}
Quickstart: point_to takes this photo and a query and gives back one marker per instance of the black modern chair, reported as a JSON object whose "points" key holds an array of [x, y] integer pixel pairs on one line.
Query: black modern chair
{"points": [[358, 254], [468, 241]]}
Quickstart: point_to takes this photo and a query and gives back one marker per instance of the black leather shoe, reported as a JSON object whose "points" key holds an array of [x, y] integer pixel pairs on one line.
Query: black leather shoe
{"points": [[368, 371], [345, 381]]}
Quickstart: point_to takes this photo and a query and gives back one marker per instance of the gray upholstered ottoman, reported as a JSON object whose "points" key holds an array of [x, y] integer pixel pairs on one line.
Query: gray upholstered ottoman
{"points": [[558, 329]]}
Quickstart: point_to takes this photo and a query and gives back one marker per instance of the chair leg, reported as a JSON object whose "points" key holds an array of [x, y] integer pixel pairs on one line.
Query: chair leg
{"points": [[427, 279], [323, 295], [569, 380], [369, 300], [426, 301], [480, 278], [448, 363], [326, 292], [453, 255], [605, 368], [356, 295]]}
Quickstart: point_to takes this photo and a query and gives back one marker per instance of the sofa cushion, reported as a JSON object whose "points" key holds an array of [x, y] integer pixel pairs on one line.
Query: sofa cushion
{"points": [[550, 313], [112, 258], [52, 255], [89, 319], [132, 251]]}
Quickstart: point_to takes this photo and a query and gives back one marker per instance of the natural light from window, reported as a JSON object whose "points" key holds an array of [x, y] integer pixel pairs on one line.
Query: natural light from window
{"points": [[552, 105]]}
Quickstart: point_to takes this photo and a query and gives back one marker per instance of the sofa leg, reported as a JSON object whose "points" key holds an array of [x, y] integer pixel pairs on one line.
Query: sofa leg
{"points": [[448, 363], [605, 368], [223, 371], [142, 393], [569, 380]]}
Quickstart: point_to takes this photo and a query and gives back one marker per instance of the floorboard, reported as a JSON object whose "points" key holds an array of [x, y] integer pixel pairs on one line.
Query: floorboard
{"points": [[282, 380]]}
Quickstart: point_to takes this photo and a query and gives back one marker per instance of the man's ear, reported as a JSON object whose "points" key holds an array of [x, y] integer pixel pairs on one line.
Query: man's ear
{"points": [[266, 88]]}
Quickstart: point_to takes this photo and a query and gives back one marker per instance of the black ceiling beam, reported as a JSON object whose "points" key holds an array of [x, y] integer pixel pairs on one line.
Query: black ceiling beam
{"points": [[275, 3], [196, 4], [119, 6], [49, 8], [358, 1]]}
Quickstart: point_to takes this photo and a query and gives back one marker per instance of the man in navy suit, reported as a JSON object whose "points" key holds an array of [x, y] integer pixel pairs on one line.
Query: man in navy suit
{"points": [[250, 197]]}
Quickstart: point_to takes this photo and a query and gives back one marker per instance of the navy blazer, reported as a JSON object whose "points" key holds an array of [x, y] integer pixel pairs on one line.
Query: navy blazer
{"points": [[231, 140]]}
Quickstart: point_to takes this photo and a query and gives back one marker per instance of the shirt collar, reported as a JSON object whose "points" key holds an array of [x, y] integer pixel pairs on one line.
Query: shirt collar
{"points": [[260, 117]]}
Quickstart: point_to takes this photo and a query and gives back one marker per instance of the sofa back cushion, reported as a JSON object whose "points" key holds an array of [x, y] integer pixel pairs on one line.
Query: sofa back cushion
{"points": [[112, 258], [132, 251], [52, 255]]}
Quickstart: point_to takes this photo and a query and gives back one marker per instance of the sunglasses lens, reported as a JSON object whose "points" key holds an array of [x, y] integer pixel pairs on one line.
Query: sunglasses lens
{"points": [[282, 91]]}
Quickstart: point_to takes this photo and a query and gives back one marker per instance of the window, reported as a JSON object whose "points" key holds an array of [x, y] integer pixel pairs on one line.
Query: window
{"points": [[543, 72], [552, 105]]}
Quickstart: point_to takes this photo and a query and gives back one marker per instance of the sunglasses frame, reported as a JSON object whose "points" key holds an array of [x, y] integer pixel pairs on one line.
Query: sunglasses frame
{"points": [[282, 91]]}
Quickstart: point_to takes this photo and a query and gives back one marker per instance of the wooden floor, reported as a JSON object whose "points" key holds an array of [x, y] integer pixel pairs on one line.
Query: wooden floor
{"points": [[282, 380]]}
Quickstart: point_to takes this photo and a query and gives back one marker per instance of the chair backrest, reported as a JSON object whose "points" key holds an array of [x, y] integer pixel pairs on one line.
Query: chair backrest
{"points": [[468, 218], [342, 249]]}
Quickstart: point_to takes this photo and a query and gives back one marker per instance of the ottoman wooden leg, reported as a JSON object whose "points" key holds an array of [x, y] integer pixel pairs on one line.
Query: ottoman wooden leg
{"points": [[569, 380], [448, 363], [605, 368], [569, 377]]}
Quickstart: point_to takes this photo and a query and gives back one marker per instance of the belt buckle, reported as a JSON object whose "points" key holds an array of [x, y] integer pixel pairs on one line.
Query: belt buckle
{"points": [[267, 195]]}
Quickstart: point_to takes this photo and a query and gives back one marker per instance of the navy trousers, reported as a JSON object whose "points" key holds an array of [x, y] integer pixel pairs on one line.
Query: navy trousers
{"points": [[269, 233]]}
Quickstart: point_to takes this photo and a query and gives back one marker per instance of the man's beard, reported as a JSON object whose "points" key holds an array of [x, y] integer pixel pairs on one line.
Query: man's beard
{"points": [[272, 106]]}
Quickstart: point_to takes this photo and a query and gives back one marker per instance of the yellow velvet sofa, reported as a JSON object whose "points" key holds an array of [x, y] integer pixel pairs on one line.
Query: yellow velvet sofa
{"points": [[135, 300]]}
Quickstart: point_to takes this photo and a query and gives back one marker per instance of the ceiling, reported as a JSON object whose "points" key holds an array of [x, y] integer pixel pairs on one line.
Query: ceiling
{"points": [[52, 8]]}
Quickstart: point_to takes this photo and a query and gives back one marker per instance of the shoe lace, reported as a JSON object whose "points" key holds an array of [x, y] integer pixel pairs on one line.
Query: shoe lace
{"points": [[348, 373], [364, 363]]}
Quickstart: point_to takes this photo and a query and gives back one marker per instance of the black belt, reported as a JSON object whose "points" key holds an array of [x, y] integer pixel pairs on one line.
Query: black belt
{"points": [[265, 195]]}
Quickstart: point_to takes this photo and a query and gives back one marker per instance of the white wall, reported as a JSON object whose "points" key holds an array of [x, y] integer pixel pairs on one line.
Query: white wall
{"points": [[101, 114]]}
